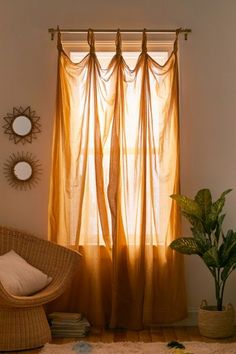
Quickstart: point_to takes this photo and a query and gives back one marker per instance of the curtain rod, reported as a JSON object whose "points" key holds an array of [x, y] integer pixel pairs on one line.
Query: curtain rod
{"points": [[186, 31]]}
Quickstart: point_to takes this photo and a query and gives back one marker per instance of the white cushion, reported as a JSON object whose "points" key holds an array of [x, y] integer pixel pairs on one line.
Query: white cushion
{"points": [[19, 277]]}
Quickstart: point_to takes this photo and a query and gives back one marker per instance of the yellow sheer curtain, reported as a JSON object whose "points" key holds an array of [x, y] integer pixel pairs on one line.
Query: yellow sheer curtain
{"points": [[115, 164]]}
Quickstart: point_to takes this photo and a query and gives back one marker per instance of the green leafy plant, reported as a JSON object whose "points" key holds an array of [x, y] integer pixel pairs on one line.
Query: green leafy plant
{"points": [[216, 249]]}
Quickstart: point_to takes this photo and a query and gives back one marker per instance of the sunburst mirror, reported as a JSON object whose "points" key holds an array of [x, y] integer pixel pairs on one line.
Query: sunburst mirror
{"points": [[22, 170], [22, 125]]}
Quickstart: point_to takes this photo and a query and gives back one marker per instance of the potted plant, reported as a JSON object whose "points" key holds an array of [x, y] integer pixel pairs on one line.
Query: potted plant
{"points": [[218, 252]]}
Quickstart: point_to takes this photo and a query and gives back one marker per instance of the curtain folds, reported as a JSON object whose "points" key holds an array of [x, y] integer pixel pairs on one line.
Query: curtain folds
{"points": [[115, 164]]}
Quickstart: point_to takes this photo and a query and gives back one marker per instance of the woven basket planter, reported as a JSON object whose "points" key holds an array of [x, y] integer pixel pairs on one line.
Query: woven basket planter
{"points": [[215, 324]]}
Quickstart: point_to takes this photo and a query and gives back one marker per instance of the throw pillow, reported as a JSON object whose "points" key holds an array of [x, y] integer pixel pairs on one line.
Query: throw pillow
{"points": [[19, 277]]}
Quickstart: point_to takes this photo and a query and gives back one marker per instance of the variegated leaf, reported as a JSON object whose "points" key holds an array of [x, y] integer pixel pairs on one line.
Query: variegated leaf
{"points": [[231, 265], [202, 241], [211, 257], [204, 200], [185, 245], [188, 205], [228, 247], [217, 207]]}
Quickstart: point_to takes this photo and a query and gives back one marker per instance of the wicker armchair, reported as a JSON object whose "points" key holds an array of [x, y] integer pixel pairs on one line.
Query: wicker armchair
{"points": [[23, 322]]}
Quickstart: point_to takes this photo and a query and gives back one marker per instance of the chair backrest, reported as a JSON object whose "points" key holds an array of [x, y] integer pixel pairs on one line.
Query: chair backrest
{"points": [[45, 255]]}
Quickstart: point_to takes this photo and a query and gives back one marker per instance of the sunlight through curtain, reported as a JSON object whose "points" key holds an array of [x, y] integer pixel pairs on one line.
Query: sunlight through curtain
{"points": [[115, 164]]}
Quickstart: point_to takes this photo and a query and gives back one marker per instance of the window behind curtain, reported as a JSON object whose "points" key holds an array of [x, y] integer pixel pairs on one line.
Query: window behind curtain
{"points": [[159, 50]]}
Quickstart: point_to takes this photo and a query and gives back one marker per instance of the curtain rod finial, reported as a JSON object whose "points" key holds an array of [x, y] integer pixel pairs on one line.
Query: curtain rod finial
{"points": [[186, 33], [51, 30]]}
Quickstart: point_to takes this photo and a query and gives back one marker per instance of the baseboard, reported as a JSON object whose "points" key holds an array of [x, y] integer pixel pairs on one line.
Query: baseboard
{"points": [[191, 320]]}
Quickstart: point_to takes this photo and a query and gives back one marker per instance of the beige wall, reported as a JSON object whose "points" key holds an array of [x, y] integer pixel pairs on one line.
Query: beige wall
{"points": [[208, 99]]}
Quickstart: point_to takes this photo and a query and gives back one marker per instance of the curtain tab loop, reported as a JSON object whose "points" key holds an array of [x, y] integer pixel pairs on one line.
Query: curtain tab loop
{"points": [[118, 42], [144, 41], [59, 45], [90, 39]]}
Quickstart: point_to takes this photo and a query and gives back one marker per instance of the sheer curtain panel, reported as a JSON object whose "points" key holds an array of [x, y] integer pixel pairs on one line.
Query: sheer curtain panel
{"points": [[115, 164]]}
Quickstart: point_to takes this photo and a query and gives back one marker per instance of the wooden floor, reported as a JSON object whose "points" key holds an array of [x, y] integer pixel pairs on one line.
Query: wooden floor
{"points": [[155, 334]]}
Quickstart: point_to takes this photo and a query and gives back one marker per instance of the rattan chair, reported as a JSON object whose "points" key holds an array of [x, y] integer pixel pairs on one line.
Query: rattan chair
{"points": [[23, 322]]}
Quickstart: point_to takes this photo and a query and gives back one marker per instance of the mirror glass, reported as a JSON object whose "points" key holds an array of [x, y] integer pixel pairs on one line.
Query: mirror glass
{"points": [[22, 125], [23, 170]]}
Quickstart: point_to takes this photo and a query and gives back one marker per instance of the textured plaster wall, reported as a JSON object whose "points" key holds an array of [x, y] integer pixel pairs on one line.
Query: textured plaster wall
{"points": [[207, 97]]}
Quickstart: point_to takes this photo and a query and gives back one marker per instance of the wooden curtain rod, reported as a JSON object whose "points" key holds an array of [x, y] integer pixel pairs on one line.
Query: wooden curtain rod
{"points": [[186, 31]]}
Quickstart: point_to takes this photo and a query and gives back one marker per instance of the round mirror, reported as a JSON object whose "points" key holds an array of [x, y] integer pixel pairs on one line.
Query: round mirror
{"points": [[23, 170], [22, 125]]}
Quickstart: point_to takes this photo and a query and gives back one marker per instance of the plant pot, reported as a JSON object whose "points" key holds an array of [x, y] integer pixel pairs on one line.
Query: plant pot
{"points": [[215, 324]]}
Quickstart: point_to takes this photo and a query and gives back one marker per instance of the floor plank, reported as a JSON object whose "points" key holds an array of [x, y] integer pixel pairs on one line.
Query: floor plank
{"points": [[157, 334], [181, 334], [107, 336], [132, 336], [169, 334], [145, 336], [119, 335], [193, 334]]}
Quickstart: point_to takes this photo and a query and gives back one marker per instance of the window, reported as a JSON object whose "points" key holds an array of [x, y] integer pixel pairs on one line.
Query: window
{"points": [[160, 52]]}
